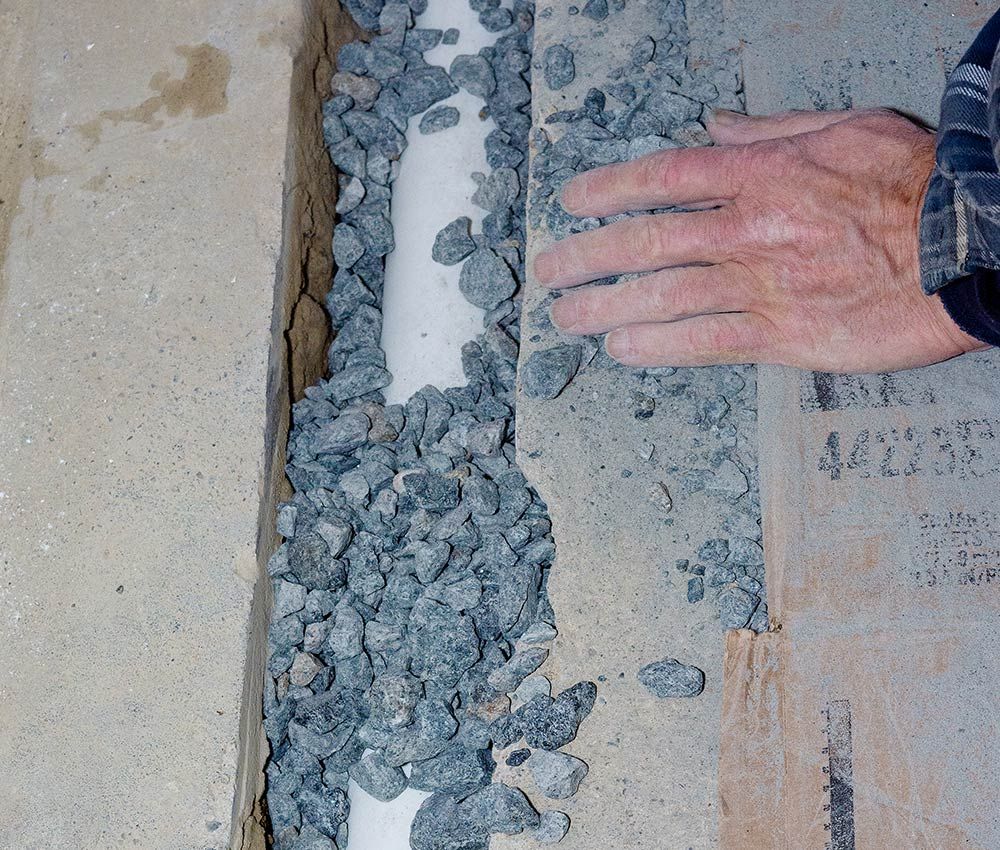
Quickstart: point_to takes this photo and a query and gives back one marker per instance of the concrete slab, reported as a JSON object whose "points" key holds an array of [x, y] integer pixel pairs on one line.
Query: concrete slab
{"points": [[153, 157], [620, 602]]}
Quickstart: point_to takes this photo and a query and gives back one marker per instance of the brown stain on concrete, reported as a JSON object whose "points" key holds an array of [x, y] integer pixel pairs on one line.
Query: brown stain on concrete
{"points": [[18, 21], [97, 183], [41, 166], [202, 91]]}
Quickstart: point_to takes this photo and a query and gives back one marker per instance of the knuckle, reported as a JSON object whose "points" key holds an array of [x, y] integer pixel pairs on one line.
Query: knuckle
{"points": [[654, 170], [656, 297], [717, 336], [645, 238]]}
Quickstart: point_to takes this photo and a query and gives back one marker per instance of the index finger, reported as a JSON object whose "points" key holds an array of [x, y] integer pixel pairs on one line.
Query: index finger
{"points": [[664, 178]]}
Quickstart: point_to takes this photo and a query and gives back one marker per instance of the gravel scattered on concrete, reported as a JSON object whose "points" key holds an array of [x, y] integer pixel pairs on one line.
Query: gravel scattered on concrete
{"points": [[547, 373], [557, 66], [657, 101]]}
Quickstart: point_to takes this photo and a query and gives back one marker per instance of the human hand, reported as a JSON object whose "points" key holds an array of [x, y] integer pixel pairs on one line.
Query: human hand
{"points": [[801, 249]]}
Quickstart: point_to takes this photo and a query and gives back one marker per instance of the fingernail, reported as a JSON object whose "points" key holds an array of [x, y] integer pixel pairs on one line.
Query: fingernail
{"points": [[564, 313], [574, 196], [726, 117], [616, 344], [546, 267]]}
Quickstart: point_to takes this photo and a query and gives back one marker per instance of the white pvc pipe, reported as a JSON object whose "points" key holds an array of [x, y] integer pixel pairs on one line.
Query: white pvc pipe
{"points": [[426, 320]]}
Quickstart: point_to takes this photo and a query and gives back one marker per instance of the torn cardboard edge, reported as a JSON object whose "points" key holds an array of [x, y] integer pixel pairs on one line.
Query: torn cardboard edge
{"points": [[868, 720]]}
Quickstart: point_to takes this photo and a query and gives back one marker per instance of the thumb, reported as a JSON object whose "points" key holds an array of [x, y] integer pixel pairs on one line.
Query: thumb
{"points": [[732, 128]]}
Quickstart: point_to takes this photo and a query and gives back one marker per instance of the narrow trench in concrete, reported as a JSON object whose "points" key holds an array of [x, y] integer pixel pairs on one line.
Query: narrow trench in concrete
{"points": [[392, 306], [410, 606]]}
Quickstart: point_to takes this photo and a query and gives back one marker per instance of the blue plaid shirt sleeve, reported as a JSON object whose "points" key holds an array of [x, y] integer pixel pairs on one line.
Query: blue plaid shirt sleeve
{"points": [[960, 221]]}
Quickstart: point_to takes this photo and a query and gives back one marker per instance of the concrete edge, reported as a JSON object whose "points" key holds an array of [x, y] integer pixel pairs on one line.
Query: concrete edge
{"points": [[299, 338]]}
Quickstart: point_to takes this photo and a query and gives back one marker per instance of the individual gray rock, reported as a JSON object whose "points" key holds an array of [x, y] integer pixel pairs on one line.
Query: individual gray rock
{"points": [[343, 435], [496, 20], [351, 193], [420, 89], [429, 559], [518, 757], [486, 280], [532, 687], [443, 644], [288, 598], [304, 668], [504, 809], [505, 730], [344, 640], [393, 698], [486, 438], [547, 372], [735, 607], [552, 828], [450, 36], [380, 780], [325, 810], [746, 552], [550, 724], [695, 589], [671, 678], [498, 191], [439, 118], [284, 812], [521, 664], [596, 10], [347, 246], [441, 823], [557, 775], [538, 633], [362, 89], [557, 66], [474, 74], [481, 495], [357, 381], [714, 551], [455, 770], [453, 242]]}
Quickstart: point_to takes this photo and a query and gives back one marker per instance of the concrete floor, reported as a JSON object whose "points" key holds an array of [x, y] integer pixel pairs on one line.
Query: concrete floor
{"points": [[144, 153]]}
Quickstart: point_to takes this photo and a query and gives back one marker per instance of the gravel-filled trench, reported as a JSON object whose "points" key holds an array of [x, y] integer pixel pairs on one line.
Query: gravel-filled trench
{"points": [[410, 606]]}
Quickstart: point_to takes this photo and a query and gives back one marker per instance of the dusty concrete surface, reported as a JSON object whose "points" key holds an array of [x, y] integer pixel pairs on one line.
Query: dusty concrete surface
{"points": [[139, 403], [619, 601]]}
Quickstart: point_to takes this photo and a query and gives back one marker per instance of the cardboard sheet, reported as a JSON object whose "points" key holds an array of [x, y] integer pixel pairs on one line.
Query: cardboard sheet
{"points": [[869, 719]]}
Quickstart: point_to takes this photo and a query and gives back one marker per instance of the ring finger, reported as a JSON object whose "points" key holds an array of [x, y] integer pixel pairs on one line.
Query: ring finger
{"points": [[663, 296]]}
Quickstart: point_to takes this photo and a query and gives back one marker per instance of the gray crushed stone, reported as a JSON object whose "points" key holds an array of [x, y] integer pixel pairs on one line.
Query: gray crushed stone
{"points": [[438, 118], [552, 828], [557, 775], [547, 373], [557, 66], [671, 678], [411, 602]]}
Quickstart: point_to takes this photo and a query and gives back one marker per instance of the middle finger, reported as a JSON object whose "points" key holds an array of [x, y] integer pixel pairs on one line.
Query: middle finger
{"points": [[641, 244]]}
